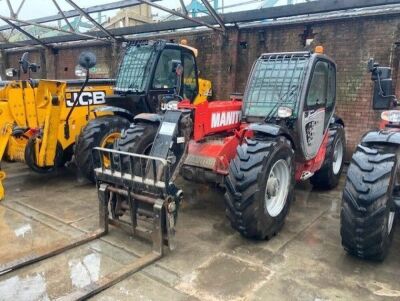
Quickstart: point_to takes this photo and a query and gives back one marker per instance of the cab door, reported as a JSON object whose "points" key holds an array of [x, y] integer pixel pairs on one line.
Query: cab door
{"points": [[318, 107], [164, 79], [190, 77]]}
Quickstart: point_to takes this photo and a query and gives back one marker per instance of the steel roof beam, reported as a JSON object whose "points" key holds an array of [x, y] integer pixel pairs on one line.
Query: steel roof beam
{"points": [[314, 7], [10, 8], [63, 15], [176, 13], [214, 14], [93, 21], [89, 10], [54, 28], [184, 7], [24, 32]]}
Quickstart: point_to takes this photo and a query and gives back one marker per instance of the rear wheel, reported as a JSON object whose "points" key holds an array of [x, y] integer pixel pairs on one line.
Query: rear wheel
{"points": [[99, 132], [30, 157], [260, 187], [368, 210], [329, 174]]}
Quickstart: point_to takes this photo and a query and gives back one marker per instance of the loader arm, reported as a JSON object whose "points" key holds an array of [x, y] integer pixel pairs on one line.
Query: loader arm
{"points": [[6, 123], [54, 92]]}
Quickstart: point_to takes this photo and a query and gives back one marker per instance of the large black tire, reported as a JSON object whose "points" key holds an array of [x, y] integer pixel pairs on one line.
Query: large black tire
{"points": [[328, 176], [367, 202], [138, 138], [246, 187], [30, 158], [93, 135]]}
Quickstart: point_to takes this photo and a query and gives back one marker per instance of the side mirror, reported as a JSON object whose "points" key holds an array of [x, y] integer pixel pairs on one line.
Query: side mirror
{"points": [[383, 86], [87, 60], [371, 65], [33, 67], [11, 72], [176, 67], [383, 98], [24, 62]]}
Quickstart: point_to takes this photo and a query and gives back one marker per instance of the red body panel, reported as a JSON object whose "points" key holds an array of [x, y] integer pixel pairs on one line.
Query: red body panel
{"points": [[216, 154], [314, 164], [225, 117], [214, 117]]}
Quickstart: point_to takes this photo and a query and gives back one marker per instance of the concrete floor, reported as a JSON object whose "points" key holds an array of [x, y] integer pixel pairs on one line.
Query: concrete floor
{"points": [[212, 262]]}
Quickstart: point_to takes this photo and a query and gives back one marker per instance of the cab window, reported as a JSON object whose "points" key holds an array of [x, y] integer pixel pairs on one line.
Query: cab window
{"points": [[190, 87], [318, 91], [331, 94], [164, 77]]}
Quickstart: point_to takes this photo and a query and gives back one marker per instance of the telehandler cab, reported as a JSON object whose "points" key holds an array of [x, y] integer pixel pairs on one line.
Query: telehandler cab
{"points": [[145, 76], [371, 195]]}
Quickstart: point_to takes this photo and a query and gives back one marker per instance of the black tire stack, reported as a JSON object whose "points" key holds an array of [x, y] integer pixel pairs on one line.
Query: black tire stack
{"points": [[368, 202]]}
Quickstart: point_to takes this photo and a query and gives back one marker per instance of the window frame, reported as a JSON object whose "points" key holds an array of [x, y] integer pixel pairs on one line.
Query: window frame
{"points": [[308, 107], [196, 72], [156, 66]]}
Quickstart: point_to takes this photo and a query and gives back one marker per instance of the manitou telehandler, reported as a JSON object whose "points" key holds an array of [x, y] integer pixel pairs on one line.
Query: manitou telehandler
{"points": [[371, 196], [146, 74], [283, 131]]}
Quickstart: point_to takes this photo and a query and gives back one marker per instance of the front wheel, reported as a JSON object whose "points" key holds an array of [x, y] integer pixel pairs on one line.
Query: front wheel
{"points": [[368, 211], [100, 132], [260, 187]]}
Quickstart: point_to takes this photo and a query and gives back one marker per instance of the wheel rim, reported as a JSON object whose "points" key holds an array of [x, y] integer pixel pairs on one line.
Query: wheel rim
{"points": [[277, 188], [108, 142], [390, 221], [337, 156]]}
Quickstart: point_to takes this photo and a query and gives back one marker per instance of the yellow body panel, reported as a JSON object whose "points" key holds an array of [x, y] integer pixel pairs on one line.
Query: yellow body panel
{"points": [[54, 93], [43, 108], [205, 91], [6, 124], [78, 118]]}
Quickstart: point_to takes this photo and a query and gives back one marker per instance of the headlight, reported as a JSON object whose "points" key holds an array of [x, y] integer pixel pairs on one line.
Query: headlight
{"points": [[79, 71], [285, 112], [391, 116], [10, 72]]}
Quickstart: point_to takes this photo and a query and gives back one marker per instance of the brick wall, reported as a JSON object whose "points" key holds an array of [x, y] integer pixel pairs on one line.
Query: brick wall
{"points": [[227, 59]]}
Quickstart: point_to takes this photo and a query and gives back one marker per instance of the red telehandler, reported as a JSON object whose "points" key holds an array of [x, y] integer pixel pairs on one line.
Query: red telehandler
{"points": [[283, 131]]}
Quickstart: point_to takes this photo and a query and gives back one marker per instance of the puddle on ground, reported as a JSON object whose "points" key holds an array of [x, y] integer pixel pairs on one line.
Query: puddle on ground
{"points": [[60, 275], [85, 271], [20, 235], [24, 288]]}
